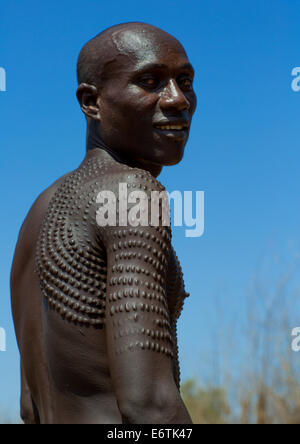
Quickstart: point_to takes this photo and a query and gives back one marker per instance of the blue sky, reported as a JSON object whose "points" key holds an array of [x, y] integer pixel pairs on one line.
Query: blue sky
{"points": [[243, 150]]}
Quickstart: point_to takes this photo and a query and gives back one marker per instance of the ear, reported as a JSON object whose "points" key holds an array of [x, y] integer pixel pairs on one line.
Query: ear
{"points": [[87, 96]]}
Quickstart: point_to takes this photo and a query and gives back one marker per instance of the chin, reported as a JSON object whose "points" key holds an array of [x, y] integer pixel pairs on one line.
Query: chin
{"points": [[171, 158]]}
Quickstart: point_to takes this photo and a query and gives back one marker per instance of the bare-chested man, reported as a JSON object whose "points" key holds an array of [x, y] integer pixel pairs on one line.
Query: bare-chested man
{"points": [[95, 307]]}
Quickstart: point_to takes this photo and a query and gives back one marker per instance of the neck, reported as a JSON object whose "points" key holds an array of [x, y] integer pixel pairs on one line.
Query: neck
{"points": [[96, 147]]}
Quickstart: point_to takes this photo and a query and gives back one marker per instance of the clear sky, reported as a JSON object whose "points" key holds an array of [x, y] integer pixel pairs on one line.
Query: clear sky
{"points": [[243, 149]]}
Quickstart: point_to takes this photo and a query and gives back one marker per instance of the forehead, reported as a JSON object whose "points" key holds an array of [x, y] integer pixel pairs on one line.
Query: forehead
{"points": [[144, 47]]}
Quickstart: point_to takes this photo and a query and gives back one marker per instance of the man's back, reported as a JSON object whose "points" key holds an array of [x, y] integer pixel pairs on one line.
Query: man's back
{"points": [[26, 307], [70, 361], [59, 296]]}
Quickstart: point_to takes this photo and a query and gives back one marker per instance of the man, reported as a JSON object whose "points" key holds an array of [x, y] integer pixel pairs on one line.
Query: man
{"points": [[95, 307]]}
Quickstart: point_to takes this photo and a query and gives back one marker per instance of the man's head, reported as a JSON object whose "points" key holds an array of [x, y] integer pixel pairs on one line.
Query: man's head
{"points": [[136, 82]]}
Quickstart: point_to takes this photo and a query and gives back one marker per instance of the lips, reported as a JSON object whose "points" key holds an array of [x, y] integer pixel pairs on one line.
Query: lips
{"points": [[172, 125]]}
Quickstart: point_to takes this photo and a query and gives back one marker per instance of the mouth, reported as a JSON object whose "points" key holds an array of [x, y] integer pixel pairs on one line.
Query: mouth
{"points": [[172, 126], [173, 130]]}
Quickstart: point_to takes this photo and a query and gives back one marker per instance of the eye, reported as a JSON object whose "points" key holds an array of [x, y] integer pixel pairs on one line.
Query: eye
{"points": [[149, 82], [186, 83]]}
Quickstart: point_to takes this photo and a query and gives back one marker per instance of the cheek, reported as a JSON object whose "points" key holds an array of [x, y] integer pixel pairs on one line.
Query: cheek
{"points": [[130, 110], [138, 102]]}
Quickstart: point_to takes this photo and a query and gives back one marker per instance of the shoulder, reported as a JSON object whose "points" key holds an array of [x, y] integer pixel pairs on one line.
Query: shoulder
{"points": [[134, 201], [40, 206], [133, 187], [134, 178], [97, 175]]}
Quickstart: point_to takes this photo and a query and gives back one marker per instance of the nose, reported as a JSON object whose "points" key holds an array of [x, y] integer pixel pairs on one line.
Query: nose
{"points": [[173, 98]]}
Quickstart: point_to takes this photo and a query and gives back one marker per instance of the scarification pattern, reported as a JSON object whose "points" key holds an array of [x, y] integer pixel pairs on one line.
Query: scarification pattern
{"points": [[176, 297], [138, 290], [71, 267], [145, 287], [138, 287]]}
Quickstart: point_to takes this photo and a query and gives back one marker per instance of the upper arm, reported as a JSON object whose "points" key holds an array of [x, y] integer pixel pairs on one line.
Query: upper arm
{"points": [[139, 341]]}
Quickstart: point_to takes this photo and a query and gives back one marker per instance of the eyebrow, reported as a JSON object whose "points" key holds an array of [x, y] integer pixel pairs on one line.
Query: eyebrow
{"points": [[153, 66]]}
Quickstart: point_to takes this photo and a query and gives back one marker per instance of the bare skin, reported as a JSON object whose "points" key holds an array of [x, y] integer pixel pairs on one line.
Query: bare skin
{"points": [[100, 345]]}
